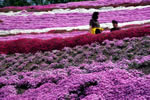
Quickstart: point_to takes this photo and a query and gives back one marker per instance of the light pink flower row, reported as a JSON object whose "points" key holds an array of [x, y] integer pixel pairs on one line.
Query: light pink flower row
{"points": [[71, 19], [78, 4]]}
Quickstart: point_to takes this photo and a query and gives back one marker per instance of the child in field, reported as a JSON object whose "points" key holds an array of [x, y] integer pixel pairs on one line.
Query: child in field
{"points": [[115, 26], [94, 24]]}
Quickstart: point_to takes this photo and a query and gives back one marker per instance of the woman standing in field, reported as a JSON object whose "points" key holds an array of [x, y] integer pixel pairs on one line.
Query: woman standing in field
{"points": [[94, 24]]}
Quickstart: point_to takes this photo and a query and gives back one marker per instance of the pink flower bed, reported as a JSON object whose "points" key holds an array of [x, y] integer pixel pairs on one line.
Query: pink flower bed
{"points": [[70, 19], [115, 84], [43, 36], [61, 67], [85, 4], [34, 45], [89, 72]]}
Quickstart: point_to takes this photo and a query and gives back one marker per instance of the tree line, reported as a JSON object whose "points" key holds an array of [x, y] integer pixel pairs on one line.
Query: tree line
{"points": [[4, 3]]}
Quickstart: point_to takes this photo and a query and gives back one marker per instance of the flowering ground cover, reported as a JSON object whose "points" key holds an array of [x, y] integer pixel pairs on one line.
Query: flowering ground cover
{"points": [[34, 45], [43, 36], [65, 62], [58, 33], [83, 4], [78, 29], [70, 19], [77, 10], [88, 72]]}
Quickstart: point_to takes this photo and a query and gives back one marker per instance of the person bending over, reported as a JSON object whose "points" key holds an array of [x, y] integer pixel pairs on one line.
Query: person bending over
{"points": [[94, 24], [115, 26]]}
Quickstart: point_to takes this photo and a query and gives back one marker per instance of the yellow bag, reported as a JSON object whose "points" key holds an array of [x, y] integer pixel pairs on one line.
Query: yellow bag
{"points": [[93, 30]]}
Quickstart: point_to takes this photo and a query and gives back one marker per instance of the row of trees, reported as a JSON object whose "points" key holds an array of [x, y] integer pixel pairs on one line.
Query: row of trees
{"points": [[4, 3]]}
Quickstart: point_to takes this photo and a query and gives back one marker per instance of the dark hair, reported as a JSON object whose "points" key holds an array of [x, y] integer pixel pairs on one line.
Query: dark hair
{"points": [[95, 15], [114, 22]]}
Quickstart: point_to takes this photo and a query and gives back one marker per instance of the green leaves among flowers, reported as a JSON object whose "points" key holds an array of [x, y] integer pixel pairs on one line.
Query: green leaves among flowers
{"points": [[33, 2]]}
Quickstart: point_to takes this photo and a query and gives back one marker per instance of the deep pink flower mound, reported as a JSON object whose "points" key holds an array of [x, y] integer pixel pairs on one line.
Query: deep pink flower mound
{"points": [[34, 45]]}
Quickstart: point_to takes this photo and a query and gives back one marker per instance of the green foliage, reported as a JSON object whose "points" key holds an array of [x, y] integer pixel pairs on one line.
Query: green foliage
{"points": [[33, 2], [15, 3]]}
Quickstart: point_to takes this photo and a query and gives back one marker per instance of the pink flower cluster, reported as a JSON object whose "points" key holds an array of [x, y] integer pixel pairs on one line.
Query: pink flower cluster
{"points": [[109, 84]]}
